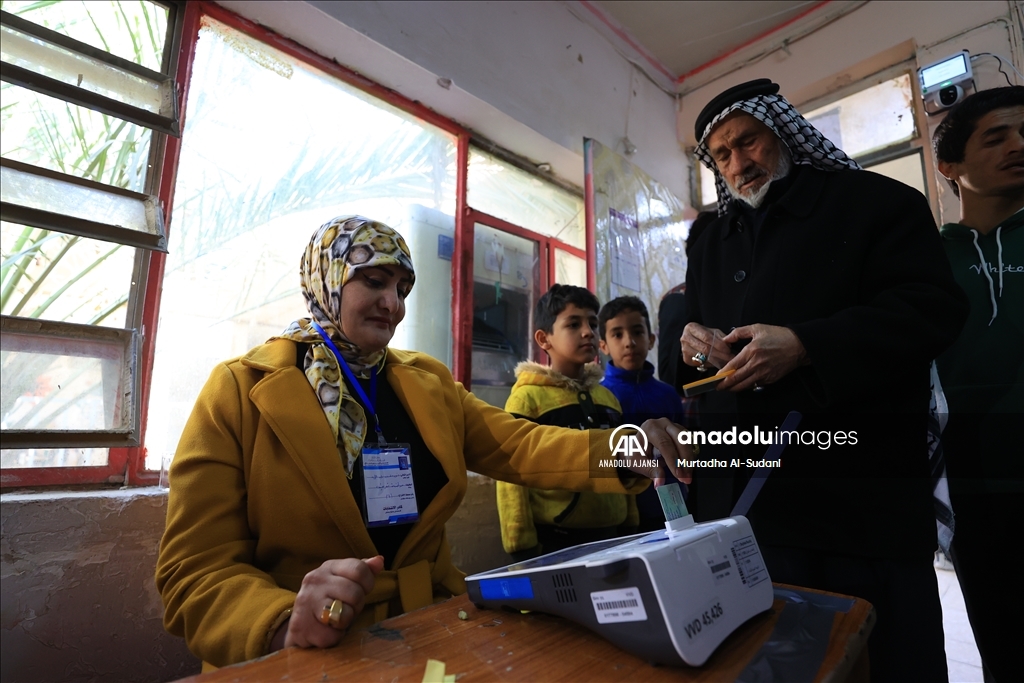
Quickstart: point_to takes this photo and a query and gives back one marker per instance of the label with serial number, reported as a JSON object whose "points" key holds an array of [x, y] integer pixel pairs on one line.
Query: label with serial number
{"points": [[624, 604], [721, 568], [705, 620]]}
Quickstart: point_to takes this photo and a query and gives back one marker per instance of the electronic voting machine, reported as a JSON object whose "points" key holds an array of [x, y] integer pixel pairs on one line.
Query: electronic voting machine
{"points": [[671, 596]]}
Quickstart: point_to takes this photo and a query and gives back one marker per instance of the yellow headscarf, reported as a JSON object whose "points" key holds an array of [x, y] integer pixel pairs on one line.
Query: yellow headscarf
{"points": [[336, 251]]}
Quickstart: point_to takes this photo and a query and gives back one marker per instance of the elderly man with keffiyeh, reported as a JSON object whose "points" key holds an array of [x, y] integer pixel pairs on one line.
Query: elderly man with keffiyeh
{"points": [[825, 289]]}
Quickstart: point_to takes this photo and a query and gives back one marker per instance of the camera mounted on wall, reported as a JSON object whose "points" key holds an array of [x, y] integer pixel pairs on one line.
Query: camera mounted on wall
{"points": [[946, 82]]}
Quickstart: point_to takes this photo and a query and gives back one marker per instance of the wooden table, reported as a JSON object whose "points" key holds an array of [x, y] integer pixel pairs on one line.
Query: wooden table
{"points": [[507, 646]]}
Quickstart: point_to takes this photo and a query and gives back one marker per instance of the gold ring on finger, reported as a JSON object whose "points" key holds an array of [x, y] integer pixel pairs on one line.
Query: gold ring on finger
{"points": [[331, 614], [337, 610]]}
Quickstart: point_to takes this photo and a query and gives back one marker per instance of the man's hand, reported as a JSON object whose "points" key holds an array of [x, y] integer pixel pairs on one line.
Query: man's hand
{"points": [[773, 353], [697, 339], [663, 440]]}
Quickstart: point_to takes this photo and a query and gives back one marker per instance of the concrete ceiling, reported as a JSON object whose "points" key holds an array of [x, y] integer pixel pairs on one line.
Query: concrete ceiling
{"points": [[684, 36]]}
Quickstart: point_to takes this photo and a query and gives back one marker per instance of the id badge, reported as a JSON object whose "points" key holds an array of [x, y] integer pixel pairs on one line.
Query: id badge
{"points": [[387, 485]]}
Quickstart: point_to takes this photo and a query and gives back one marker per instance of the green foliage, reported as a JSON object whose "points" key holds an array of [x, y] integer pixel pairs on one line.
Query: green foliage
{"points": [[53, 134], [407, 166]]}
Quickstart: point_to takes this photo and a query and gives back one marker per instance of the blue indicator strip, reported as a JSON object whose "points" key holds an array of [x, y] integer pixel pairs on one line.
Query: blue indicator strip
{"points": [[517, 588]]}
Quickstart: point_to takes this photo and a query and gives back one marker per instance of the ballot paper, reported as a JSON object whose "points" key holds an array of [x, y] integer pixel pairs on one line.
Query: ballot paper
{"points": [[672, 502]]}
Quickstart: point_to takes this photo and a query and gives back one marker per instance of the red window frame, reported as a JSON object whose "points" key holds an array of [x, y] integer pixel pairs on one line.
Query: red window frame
{"points": [[546, 247], [126, 466]]}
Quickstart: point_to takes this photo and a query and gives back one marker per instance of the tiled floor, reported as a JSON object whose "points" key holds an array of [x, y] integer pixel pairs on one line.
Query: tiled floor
{"points": [[961, 652]]}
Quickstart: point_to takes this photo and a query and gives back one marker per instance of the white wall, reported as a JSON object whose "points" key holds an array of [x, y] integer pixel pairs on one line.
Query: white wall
{"points": [[527, 75], [872, 38], [877, 35]]}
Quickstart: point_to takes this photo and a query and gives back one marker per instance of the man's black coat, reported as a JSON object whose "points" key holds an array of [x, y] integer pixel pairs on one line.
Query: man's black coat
{"points": [[852, 262]]}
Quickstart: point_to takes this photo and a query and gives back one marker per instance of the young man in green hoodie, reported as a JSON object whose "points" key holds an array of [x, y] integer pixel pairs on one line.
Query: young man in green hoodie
{"points": [[980, 151]]}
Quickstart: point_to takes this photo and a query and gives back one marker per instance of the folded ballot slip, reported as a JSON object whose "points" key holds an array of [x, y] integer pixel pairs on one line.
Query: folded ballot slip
{"points": [[704, 385]]}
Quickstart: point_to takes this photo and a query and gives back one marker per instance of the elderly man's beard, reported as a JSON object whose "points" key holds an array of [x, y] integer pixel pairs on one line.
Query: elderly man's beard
{"points": [[755, 197]]}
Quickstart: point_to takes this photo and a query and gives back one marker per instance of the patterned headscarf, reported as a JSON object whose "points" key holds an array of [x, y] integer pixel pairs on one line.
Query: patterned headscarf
{"points": [[806, 144], [335, 253]]}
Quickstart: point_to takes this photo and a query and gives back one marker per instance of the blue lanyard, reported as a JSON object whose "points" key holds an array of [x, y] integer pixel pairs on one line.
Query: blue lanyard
{"points": [[367, 402]]}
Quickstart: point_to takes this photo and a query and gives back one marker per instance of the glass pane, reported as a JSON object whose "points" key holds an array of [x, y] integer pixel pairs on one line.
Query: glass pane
{"points": [[570, 269], [640, 231], [252, 189], [67, 278], [53, 457], [513, 195], [907, 169], [506, 284], [69, 199], [72, 68], [59, 383], [708, 193], [869, 120], [135, 31], [427, 327], [47, 132]]}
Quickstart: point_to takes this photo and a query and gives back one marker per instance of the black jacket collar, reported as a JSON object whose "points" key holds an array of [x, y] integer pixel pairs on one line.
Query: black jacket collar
{"points": [[798, 200]]}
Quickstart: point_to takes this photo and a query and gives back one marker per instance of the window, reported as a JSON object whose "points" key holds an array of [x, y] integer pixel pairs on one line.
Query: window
{"points": [[706, 184], [252, 189], [498, 188], [870, 120], [875, 123], [112, 326], [87, 103], [528, 234]]}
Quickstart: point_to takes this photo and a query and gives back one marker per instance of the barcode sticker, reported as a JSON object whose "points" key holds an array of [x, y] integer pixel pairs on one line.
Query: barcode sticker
{"points": [[721, 568], [623, 604]]}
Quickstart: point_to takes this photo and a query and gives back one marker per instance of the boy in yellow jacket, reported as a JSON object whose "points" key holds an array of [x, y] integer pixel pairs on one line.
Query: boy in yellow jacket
{"points": [[567, 393]]}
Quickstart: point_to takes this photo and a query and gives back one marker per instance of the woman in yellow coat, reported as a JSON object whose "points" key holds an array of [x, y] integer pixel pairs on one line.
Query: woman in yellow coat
{"points": [[273, 538]]}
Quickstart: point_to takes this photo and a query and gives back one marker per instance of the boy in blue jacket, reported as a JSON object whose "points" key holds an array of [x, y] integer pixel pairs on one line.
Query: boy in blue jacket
{"points": [[625, 330]]}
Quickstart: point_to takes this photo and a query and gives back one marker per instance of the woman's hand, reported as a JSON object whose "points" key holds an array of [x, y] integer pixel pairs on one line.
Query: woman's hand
{"points": [[349, 581], [663, 439]]}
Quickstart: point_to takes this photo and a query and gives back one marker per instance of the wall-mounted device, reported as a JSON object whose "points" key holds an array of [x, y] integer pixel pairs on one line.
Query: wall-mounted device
{"points": [[946, 82]]}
